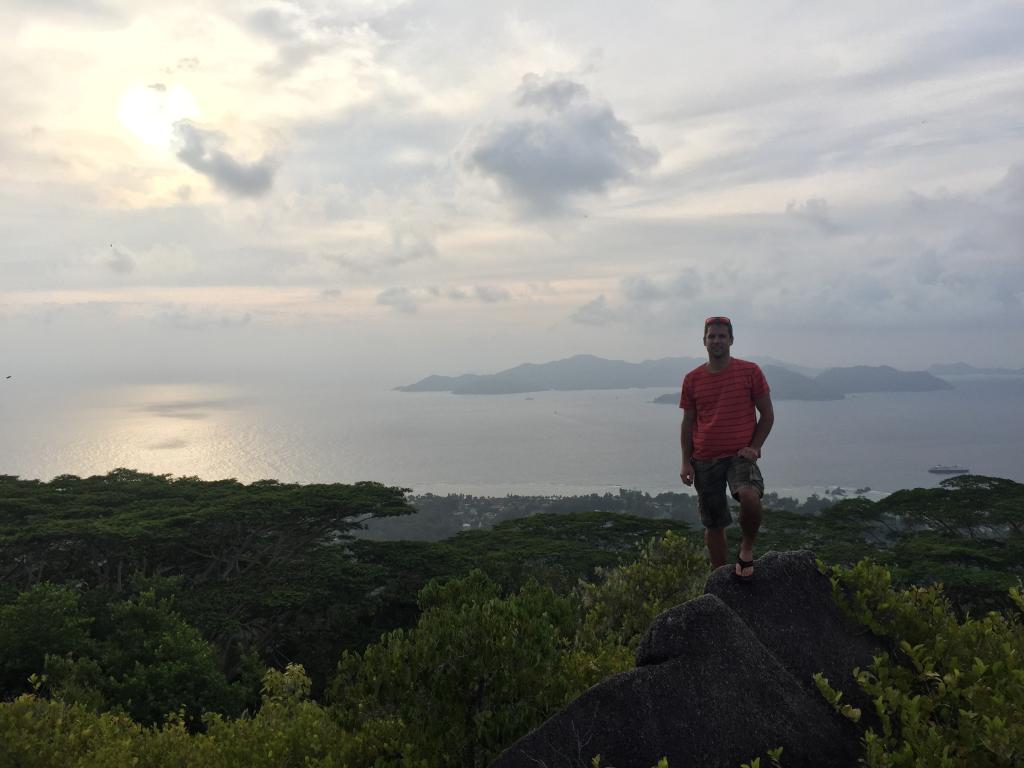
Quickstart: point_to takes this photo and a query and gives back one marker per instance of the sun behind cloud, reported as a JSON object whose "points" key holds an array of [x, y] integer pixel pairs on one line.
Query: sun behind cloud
{"points": [[151, 111]]}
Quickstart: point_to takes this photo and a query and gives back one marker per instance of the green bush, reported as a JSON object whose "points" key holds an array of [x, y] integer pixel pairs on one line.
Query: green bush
{"points": [[45, 619], [478, 671], [953, 692], [288, 732], [147, 662], [622, 602]]}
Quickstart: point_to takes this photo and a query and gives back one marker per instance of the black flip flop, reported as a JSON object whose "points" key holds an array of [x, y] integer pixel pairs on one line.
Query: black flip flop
{"points": [[742, 564]]}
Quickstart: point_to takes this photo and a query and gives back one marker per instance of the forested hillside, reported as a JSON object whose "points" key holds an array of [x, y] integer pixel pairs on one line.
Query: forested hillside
{"points": [[248, 626]]}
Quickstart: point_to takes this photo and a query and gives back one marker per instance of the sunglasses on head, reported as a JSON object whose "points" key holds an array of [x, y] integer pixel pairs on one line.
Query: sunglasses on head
{"points": [[718, 320]]}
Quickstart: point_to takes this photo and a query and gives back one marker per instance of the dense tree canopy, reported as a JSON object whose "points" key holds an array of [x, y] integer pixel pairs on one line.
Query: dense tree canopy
{"points": [[102, 530], [162, 602]]}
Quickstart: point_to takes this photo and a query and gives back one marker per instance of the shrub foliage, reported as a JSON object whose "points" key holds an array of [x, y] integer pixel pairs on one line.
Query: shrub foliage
{"points": [[952, 691]]}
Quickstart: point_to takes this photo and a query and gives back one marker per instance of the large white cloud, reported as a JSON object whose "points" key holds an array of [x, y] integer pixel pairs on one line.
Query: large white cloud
{"points": [[562, 143]]}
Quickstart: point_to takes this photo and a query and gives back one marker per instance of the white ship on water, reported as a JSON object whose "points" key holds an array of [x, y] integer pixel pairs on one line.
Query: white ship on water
{"points": [[952, 469]]}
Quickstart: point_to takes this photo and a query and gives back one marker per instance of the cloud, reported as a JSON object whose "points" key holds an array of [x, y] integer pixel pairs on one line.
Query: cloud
{"points": [[388, 145], [192, 319], [640, 289], [641, 294], [814, 211], [300, 34], [95, 10], [284, 29], [596, 312], [409, 300], [926, 264], [482, 293], [687, 285], [567, 143], [184, 64], [555, 96], [1010, 189], [490, 295], [973, 36], [401, 299], [862, 290], [405, 246], [200, 150], [649, 303], [120, 262], [410, 246], [275, 23]]}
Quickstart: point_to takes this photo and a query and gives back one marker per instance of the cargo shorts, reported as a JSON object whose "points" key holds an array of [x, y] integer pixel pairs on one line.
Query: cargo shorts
{"points": [[710, 477]]}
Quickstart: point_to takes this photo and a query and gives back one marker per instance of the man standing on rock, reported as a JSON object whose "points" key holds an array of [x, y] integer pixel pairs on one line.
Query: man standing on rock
{"points": [[721, 437]]}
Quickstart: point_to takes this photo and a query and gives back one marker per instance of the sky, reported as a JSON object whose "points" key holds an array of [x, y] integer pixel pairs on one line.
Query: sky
{"points": [[392, 189]]}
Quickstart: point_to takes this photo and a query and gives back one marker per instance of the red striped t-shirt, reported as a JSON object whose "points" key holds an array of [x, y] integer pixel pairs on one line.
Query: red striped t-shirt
{"points": [[724, 404]]}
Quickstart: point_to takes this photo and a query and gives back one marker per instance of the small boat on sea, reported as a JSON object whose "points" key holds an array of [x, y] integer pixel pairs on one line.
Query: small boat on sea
{"points": [[942, 469]]}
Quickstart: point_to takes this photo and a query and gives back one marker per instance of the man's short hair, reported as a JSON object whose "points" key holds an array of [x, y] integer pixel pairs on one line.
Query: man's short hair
{"points": [[718, 320]]}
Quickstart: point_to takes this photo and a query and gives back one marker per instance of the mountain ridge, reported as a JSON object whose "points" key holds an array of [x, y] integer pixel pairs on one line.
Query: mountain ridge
{"points": [[880, 378], [590, 372], [966, 369]]}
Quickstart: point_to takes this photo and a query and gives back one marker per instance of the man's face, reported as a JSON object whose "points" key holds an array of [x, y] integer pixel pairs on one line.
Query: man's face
{"points": [[717, 340]]}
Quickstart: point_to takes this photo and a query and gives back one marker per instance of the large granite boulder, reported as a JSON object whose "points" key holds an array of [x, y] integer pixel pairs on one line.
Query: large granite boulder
{"points": [[789, 606], [712, 690]]}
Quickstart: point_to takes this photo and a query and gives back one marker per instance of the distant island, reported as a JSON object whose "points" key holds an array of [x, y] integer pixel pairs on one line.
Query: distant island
{"points": [[880, 378], [573, 373], [964, 369], [582, 372]]}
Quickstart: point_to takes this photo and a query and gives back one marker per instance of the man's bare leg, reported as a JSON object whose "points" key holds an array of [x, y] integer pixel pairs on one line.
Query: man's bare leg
{"points": [[750, 523], [714, 538]]}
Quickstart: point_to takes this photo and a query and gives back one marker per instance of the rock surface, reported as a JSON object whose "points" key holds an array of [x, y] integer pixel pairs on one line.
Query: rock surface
{"points": [[720, 680], [789, 607]]}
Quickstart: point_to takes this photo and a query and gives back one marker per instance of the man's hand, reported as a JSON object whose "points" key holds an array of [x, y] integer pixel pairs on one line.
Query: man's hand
{"points": [[686, 473], [751, 454]]}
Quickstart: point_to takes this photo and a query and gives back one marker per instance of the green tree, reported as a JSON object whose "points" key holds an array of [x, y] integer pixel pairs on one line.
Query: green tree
{"points": [[47, 619], [476, 672], [148, 662], [622, 602]]}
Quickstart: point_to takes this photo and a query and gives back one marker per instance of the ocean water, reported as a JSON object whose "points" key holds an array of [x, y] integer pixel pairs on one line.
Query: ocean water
{"points": [[546, 443]]}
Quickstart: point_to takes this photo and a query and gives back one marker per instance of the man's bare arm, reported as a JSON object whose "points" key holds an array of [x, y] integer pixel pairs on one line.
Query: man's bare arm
{"points": [[686, 443], [766, 418]]}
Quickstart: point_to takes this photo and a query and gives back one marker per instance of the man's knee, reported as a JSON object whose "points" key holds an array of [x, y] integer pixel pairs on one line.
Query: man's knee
{"points": [[750, 510], [749, 498]]}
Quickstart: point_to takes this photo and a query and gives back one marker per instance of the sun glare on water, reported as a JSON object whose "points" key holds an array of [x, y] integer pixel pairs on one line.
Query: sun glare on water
{"points": [[150, 112]]}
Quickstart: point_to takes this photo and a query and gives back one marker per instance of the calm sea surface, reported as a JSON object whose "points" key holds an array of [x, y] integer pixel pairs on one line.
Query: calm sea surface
{"points": [[548, 443]]}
